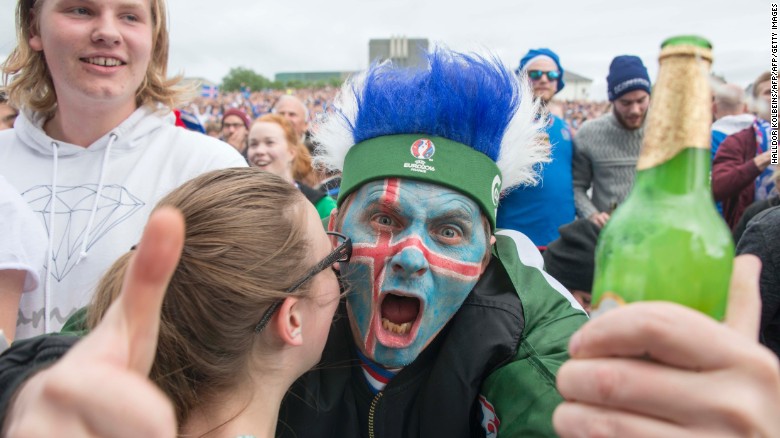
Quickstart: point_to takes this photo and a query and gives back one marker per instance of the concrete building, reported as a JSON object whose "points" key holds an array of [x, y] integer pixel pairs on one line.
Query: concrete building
{"points": [[402, 51], [314, 76]]}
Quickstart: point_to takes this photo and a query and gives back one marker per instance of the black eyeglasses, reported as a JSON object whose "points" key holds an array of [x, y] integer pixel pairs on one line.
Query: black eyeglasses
{"points": [[537, 74], [341, 253]]}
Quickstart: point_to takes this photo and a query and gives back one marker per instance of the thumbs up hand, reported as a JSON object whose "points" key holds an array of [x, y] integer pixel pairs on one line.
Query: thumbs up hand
{"points": [[101, 387]]}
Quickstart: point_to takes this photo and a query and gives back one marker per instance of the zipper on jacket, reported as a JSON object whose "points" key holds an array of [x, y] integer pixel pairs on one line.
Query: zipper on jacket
{"points": [[371, 412]]}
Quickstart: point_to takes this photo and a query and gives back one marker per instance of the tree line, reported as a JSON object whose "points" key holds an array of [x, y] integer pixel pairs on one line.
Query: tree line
{"points": [[240, 77]]}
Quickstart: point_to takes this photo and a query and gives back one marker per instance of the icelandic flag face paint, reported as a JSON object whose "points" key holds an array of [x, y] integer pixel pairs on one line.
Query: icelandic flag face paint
{"points": [[418, 250]]}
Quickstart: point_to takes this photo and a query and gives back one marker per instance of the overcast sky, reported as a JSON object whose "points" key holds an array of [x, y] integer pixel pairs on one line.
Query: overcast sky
{"points": [[209, 37]]}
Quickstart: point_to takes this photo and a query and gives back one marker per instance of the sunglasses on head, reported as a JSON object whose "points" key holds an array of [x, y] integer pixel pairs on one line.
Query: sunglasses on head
{"points": [[537, 74]]}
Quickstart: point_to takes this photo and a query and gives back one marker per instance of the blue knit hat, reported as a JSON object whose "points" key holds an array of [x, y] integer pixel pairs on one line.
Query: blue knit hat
{"points": [[626, 73], [533, 53]]}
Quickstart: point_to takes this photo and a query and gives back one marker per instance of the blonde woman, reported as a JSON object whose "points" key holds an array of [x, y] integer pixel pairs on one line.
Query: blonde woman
{"points": [[274, 146]]}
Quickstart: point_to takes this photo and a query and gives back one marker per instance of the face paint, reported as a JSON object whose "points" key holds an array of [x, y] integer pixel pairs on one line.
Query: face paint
{"points": [[417, 253]]}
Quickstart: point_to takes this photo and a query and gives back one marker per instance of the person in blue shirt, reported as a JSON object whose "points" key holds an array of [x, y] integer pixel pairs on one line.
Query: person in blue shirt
{"points": [[537, 211]]}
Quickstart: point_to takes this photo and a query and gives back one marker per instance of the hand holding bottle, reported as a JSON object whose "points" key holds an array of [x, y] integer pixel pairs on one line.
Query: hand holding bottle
{"points": [[654, 369]]}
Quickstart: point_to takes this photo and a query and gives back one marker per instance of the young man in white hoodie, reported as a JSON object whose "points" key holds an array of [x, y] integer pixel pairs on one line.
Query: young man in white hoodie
{"points": [[95, 144]]}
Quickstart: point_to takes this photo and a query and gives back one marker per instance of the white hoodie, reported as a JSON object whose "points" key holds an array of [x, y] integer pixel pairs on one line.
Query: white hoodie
{"points": [[98, 197]]}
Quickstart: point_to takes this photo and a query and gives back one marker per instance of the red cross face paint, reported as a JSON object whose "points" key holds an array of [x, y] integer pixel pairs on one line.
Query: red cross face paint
{"points": [[418, 250]]}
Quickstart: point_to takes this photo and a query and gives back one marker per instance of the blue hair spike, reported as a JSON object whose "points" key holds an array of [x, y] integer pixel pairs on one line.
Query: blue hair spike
{"points": [[465, 98]]}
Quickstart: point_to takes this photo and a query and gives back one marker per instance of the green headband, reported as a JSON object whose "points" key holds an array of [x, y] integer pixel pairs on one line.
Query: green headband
{"points": [[436, 160]]}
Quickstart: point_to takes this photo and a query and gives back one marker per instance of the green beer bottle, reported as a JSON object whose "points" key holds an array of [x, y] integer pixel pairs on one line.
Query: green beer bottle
{"points": [[667, 241]]}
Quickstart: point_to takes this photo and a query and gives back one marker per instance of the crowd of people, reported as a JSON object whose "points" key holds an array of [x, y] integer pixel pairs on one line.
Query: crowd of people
{"points": [[209, 110], [195, 290], [318, 102]]}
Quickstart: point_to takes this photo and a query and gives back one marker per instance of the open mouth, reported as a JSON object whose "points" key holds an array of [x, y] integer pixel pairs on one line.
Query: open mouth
{"points": [[400, 320], [103, 61]]}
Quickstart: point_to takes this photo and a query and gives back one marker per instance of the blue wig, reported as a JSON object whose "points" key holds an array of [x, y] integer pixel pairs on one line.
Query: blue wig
{"points": [[467, 98], [461, 97]]}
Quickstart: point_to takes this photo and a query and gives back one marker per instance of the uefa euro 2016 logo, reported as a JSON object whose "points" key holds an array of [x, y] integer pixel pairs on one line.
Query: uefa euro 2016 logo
{"points": [[423, 149]]}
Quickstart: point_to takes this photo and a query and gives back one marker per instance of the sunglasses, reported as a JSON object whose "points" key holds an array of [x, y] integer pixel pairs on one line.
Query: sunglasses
{"points": [[341, 253], [535, 75]]}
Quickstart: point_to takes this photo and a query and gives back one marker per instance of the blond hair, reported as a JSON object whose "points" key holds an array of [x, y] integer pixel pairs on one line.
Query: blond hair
{"points": [[244, 244], [29, 84]]}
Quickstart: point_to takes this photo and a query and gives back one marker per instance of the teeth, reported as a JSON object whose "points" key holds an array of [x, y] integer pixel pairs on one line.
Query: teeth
{"points": [[100, 60], [400, 329]]}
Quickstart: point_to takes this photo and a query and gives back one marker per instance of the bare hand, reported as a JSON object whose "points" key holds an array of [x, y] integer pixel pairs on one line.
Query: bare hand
{"points": [[101, 388], [660, 369], [762, 160], [599, 218], [237, 139]]}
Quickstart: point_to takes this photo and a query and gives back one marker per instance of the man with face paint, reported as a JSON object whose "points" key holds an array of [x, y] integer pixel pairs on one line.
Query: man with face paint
{"points": [[449, 328]]}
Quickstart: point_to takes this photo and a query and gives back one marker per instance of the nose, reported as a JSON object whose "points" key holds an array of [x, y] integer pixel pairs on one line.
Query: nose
{"points": [[106, 31], [410, 262]]}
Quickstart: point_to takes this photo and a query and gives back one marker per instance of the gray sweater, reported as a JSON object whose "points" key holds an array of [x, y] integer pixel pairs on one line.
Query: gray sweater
{"points": [[605, 159]]}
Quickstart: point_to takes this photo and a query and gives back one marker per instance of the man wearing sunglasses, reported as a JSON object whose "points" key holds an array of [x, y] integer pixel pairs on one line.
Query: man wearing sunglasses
{"points": [[537, 211]]}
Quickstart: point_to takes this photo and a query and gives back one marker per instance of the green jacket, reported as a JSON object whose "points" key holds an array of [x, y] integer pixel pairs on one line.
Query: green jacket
{"points": [[492, 368], [523, 391]]}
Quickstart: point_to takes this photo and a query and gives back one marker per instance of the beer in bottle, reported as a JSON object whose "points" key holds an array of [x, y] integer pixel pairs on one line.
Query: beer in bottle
{"points": [[667, 241]]}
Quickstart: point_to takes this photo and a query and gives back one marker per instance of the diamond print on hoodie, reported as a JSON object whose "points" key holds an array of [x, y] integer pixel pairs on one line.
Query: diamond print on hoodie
{"points": [[74, 204]]}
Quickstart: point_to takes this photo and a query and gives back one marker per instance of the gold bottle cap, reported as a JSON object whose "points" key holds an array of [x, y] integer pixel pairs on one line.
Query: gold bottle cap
{"points": [[680, 114]]}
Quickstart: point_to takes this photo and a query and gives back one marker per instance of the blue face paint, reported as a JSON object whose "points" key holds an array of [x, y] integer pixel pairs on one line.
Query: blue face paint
{"points": [[417, 253]]}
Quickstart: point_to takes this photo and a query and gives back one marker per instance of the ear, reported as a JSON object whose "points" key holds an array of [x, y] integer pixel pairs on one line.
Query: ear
{"points": [[294, 152], [486, 259], [35, 37], [289, 322]]}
